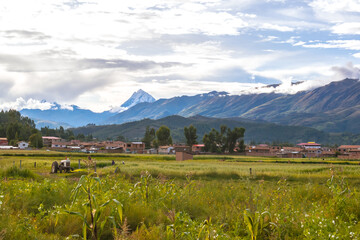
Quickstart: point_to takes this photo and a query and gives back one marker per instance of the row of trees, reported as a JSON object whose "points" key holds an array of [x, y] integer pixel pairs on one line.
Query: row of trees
{"points": [[224, 141], [17, 128], [65, 134], [217, 142]]}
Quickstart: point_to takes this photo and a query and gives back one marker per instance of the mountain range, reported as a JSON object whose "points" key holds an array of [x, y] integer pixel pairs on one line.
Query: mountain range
{"points": [[332, 108], [73, 116]]}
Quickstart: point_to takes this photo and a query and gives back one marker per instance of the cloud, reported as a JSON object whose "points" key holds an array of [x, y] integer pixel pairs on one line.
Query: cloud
{"points": [[20, 104], [13, 34], [269, 38], [347, 28], [341, 44], [276, 27], [93, 53], [42, 63], [66, 107], [357, 55], [347, 71], [333, 6], [5, 85]]}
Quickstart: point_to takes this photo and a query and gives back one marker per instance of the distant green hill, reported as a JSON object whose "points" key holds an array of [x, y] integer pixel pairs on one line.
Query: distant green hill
{"points": [[257, 131]]}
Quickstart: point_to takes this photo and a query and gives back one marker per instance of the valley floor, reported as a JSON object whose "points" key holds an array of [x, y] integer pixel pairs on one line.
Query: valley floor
{"points": [[156, 197]]}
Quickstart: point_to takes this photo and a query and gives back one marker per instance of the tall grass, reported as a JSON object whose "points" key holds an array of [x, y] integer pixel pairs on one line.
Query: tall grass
{"points": [[15, 172], [207, 199]]}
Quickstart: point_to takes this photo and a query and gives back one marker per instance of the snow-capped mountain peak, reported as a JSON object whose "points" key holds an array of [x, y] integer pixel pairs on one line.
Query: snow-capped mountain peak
{"points": [[139, 96]]}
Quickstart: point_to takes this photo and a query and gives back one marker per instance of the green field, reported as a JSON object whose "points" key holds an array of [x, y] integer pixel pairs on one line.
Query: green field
{"points": [[156, 197]]}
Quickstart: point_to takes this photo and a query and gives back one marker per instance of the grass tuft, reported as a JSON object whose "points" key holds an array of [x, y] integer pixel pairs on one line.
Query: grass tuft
{"points": [[16, 172]]}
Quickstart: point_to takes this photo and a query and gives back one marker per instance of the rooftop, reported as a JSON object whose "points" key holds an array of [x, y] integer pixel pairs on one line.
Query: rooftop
{"points": [[51, 138], [309, 144]]}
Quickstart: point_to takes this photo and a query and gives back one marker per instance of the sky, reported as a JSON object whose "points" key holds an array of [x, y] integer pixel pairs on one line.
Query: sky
{"points": [[95, 54]]}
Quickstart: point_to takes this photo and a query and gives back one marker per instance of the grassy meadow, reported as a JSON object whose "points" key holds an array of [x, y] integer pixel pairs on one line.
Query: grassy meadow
{"points": [[156, 197]]}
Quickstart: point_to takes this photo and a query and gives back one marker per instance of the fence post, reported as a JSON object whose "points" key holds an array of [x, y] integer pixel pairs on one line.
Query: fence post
{"points": [[34, 164], [95, 167], [79, 163], [250, 171]]}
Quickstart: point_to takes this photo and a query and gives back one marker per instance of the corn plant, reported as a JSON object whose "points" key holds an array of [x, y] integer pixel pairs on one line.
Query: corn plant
{"points": [[258, 223], [144, 186], [93, 207]]}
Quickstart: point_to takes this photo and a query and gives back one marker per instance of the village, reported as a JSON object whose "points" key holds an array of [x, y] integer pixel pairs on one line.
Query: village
{"points": [[301, 150]]}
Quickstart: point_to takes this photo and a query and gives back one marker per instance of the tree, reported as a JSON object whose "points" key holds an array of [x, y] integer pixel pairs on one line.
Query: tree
{"points": [[190, 135], [224, 141], [149, 137], [36, 140], [233, 137], [80, 136], [210, 141], [89, 137], [163, 136], [119, 138], [12, 131]]}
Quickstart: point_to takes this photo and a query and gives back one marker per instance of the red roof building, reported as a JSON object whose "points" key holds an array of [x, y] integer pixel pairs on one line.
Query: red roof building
{"points": [[198, 148], [3, 142]]}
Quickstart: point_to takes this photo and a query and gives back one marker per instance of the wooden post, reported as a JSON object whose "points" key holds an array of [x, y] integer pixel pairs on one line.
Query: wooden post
{"points": [[79, 163], [95, 167], [13, 163], [250, 171], [34, 164]]}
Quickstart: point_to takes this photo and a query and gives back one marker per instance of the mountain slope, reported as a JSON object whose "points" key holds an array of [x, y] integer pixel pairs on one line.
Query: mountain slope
{"points": [[255, 131], [333, 108]]}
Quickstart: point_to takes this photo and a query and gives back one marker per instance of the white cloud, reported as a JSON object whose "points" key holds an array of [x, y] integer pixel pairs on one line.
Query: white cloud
{"points": [[347, 28], [66, 107], [333, 6], [93, 54], [276, 27], [357, 55], [269, 39], [20, 104], [341, 44]]}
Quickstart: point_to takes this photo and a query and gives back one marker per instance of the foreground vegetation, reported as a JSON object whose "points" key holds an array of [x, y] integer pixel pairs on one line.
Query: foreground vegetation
{"points": [[155, 197]]}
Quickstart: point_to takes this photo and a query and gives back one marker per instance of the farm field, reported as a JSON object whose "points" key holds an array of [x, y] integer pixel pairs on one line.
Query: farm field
{"points": [[156, 197]]}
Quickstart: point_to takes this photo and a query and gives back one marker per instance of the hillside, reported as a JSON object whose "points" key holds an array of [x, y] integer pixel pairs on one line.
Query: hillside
{"points": [[255, 130], [332, 108]]}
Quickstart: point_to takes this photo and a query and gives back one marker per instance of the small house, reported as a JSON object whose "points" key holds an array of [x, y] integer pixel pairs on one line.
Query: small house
{"points": [[183, 153], [166, 150]]}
